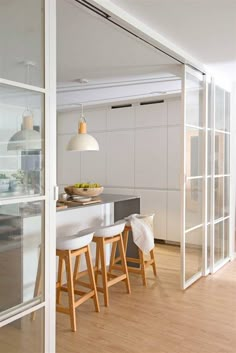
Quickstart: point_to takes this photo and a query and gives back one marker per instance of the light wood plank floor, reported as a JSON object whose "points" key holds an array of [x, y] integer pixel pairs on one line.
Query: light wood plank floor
{"points": [[160, 318]]}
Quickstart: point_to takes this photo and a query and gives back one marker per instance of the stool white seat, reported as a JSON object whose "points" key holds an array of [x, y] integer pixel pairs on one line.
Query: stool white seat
{"points": [[68, 247], [110, 235], [110, 231], [76, 241]]}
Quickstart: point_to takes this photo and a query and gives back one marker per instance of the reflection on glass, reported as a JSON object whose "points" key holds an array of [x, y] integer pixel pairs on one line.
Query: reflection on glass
{"points": [[209, 152], [23, 335], [21, 253], [219, 108], [226, 196], [227, 111], [209, 195], [194, 211], [219, 197], [226, 238], [21, 161], [219, 153], [219, 241], [194, 155], [193, 254], [208, 245], [227, 155], [27, 45], [194, 101], [209, 117]]}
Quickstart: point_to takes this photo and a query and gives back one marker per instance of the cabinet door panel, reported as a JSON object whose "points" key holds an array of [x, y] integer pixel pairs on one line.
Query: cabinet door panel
{"points": [[174, 157], [173, 216], [120, 159], [153, 201], [68, 163], [120, 118], [151, 115], [93, 164], [151, 158]]}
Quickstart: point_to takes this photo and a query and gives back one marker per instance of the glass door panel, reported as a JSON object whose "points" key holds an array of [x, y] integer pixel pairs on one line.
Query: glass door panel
{"points": [[220, 236], [21, 256], [192, 245], [22, 41], [21, 148], [24, 335]]}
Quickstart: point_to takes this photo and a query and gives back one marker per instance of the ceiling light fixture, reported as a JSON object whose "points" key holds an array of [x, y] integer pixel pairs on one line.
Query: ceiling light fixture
{"points": [[82, 141], [27, 139]]}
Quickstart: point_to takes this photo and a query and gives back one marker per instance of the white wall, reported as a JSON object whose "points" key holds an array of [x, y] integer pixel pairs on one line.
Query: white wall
{"points": [[139, 154]]}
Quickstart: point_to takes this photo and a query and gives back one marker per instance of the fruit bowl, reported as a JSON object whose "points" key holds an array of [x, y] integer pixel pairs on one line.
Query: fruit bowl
{"points": [[90, 192]]}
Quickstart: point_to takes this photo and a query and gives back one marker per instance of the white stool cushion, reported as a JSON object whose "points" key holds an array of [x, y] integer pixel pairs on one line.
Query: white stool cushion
{"points": [[110, 231], [76, 241]]}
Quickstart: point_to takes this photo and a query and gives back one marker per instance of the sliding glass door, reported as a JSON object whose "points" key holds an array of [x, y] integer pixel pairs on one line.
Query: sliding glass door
{"points": [[205, 244], [220, 235], [193, 203], [27, 92]]}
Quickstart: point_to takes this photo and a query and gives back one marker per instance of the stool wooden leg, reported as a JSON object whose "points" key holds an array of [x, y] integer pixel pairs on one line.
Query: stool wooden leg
{"points": [[104, 271], [92, 279], [70, 286], [113, 255], [142, 264], [59, 279], [76, 267], [126, 237], [154, 262], [97, 261], [124, 263]]}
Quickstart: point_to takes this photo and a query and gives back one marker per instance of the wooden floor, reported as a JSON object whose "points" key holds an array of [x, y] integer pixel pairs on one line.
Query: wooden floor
{"points": [[157, 319], [160, 318]]}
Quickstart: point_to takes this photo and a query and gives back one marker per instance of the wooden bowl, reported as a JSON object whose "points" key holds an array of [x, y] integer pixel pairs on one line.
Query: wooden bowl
{"points": [[90, 192], [69, 189]]}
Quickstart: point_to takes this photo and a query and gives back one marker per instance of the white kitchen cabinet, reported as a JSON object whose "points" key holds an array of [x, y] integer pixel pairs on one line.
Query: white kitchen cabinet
{"points": [[174, 112], [121, 118], [68, 163], [173, 216], [93, 163], [153, 201], [151, 115], [174, 157], [120, 158], [151, 158]]}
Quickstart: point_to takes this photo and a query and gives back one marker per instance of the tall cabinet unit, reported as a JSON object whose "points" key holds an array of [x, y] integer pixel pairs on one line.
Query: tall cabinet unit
{"points": [[139, 154], [27, 207]]}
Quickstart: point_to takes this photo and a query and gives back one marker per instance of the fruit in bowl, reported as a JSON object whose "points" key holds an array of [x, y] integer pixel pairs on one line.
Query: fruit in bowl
{"points": [[87, 189]]}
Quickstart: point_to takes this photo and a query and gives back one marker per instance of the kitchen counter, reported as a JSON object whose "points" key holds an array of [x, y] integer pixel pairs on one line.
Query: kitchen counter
{"points": [[112, 208], [105, 198]]}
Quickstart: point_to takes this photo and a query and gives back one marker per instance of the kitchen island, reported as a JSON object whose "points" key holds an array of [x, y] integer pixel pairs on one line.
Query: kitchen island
{"points": [[110, 209]]}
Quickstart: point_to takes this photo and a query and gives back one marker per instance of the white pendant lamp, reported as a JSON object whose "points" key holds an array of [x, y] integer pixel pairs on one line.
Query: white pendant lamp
{"points": [[82, 141], [27, 139]]}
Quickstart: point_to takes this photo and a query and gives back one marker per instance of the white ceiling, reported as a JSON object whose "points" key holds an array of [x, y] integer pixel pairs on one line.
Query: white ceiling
{"points": [[205, 29], [90, 47], [116, 64]]}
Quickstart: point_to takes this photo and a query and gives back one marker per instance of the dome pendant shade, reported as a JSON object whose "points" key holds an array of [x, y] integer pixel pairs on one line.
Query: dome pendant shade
{"points": [[82, 141], [27, 138]]}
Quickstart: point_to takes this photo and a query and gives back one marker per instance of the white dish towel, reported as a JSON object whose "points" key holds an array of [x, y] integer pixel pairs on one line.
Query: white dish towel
{"points": [[142, 229]]}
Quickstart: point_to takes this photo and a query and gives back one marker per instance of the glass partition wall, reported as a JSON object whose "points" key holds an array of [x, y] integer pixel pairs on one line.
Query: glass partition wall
{"points": [[25, 184], [205, 244]]}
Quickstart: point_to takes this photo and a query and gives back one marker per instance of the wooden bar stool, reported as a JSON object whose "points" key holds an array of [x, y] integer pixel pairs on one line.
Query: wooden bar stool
{"points": [[67, 248], [143, 264], [110, 235]]}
